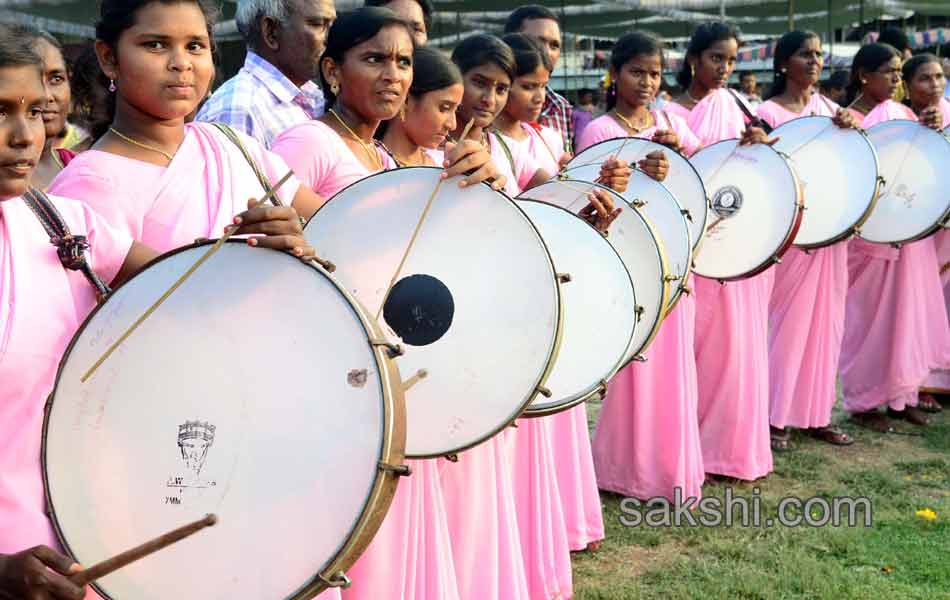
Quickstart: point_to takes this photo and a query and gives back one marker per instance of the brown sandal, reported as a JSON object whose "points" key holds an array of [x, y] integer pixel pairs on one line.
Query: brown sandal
{"points": [[911, 414], [928, 403], [873, 420], [831, 435], [780, 439]]}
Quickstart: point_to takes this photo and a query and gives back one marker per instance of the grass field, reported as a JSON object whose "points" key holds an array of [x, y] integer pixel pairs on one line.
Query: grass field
{"points": [[900, 556]]}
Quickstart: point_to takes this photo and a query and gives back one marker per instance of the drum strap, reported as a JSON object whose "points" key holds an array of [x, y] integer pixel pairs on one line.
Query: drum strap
{"points": [[507, 151], [754, 119], [236, 140], [71, 249]]}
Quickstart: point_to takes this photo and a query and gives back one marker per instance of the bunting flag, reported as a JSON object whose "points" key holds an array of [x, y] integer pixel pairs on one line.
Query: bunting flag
{"points": [[920, 39]]}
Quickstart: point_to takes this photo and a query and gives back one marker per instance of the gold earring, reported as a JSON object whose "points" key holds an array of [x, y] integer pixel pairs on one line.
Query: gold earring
{"points": [[402, 113], [335, 88], [784, 70], [864, 82], [692, 70]]}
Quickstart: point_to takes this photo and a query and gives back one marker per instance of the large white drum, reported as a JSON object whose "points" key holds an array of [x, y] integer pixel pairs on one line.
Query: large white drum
{"points": [[838, 173], [255, 393], [914, 202], [639, 247], [755, 209], [599, 308], [476, 307], [682, 180]]}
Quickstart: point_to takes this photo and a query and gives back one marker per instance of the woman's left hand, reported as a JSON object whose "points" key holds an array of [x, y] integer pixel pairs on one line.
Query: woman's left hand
{"points": [[615, 174], [472, 158], [931, 117], [756, 135], [565, 158], [600, 212], [280, 225], [844, 119], [668, 138]]}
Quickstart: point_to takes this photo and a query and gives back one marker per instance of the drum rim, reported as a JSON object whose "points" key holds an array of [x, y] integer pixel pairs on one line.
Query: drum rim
{"points": [[685, 160], [391, 451], [789, 237], [866, 214], [552, 353], [550, 408], [943, 220], [666, 304]]}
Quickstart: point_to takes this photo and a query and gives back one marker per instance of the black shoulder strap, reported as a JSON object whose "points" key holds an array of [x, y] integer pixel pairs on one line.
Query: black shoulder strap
{"points": [[71, 249], [507, 151], [236, 140], [754, 119]]}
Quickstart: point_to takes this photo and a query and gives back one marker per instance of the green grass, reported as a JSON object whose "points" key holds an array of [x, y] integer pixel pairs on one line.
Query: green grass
{"points": [[901, 556]]}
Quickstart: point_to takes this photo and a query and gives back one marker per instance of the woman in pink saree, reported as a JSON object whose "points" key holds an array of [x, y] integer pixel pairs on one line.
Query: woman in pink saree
{"points": [[924, 81], [806, 312], [886, 353], [731, 333], [647, 439], [162, 181]]}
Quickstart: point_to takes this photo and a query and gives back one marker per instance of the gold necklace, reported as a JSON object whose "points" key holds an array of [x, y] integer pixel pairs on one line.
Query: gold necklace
{"points": [[141, 145], [372, 155], [627, 122]]}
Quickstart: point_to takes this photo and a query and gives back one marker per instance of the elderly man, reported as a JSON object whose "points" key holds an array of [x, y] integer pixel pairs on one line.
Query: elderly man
{"points": [[274, 90], [418, 13], [543, 25]]}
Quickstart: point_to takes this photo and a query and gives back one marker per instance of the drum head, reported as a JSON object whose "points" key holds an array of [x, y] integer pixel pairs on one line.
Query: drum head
{"points": [[914, 160], [755, 209], [476, 307], [599, 308], [837, 170], [639, 248], [253, 393], [683, 181]]}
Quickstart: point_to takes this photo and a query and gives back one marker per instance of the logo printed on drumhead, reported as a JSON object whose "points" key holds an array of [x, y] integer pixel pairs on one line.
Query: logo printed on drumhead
{"points": [[194, 440], [419, 310], [727, 201], [904, 192]]}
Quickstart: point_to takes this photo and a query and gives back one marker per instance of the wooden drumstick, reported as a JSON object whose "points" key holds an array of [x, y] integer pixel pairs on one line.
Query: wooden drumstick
{"points": [[110, 565], [415, 232], [231, 230]]}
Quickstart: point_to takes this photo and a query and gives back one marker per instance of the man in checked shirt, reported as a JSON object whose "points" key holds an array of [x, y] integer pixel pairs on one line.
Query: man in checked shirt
{"points": [[544, 26], [274, 91]]}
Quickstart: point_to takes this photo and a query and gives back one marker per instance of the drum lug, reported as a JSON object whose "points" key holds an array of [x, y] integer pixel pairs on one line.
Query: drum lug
{"points": [[394, 350], [337, 580], [777, 260], [637, 203], [639, 310], [897, 245], [640, 358], [563, 277], [671, 278], [328, 266], [687, 214], [543, 391], [602, 390], [398, 470], [514, 424], [452, 458], [686, 290]]}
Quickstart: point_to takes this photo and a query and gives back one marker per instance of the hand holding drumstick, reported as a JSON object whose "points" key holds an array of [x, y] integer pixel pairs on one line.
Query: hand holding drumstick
{"points": [[41, 573]]}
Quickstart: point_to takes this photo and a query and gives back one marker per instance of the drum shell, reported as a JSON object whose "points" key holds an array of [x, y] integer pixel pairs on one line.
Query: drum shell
{"points": [[597, 388], [632, 217], [391, 452]]}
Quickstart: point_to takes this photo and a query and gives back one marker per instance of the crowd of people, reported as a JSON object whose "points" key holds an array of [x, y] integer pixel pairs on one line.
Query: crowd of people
{"points": [[161, 159]]}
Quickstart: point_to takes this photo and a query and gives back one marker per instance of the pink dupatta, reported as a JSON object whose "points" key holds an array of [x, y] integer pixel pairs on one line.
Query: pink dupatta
{"points": [[197, 195]]}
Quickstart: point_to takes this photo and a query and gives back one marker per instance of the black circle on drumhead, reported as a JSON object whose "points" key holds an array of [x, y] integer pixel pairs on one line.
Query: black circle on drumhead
{"points": [[419, 309]]}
